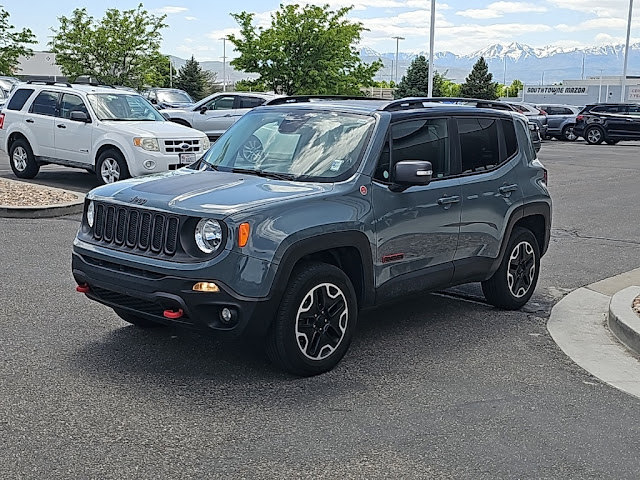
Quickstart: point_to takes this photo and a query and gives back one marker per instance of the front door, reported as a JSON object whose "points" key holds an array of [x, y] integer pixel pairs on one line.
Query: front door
{"points": [[72, 138], [219, 115], [417, 229]]}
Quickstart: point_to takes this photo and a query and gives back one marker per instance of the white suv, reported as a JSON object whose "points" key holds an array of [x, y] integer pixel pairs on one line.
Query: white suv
{"points": [[115, 133]]}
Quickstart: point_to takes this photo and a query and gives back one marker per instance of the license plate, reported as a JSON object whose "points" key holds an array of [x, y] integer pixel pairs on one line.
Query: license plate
{"points": [[187, 158]]}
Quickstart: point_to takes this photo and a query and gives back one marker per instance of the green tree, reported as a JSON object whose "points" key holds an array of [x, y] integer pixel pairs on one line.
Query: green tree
{"points": [[119, 49], [194, 80], [249, 86], [416, 82], [479, 83], [449, 88], [306, 50], [514, 89], [13, 44], [158, 74]]}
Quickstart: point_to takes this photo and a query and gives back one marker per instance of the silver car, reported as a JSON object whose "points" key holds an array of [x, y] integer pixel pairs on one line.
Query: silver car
{"points": [[534, 115], [214, 114], [560, 120]]}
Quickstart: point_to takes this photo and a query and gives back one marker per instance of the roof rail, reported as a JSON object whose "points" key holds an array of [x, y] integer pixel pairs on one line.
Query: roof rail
{"points": [[418, 102], [310, 98], [50, 82], [94, 84]]}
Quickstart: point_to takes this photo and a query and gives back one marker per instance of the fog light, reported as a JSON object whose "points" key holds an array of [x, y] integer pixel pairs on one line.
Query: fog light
{"points": [[225, 315], [149, 164], [206, 287]]}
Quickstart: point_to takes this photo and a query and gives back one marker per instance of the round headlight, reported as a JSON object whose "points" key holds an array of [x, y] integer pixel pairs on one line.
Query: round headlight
{"points": [[90, 214], [208, 235]]}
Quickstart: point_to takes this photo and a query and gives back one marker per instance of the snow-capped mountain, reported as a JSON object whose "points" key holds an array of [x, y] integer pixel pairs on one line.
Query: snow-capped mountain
{"points": [[518, 61]]}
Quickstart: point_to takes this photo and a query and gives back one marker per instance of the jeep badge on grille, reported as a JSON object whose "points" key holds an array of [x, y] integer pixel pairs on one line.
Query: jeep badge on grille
{"points": [[138, 201]]}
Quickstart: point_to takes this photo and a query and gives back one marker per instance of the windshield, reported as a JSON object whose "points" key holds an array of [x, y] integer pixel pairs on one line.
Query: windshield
{"points": [[300, 145], [174, 97], [123, 107]]}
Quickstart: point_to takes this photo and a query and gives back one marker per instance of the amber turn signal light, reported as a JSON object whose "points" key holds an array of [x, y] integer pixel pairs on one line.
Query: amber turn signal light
{"points": [[243, 234], [206, 287]]}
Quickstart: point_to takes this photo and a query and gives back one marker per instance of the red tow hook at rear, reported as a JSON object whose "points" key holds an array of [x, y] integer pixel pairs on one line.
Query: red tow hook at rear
{"points": [[173, 314], [83, 288]]}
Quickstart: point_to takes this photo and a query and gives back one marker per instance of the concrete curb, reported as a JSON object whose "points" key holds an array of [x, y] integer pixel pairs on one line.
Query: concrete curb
{"points": [[622, 320], [45, 211]]}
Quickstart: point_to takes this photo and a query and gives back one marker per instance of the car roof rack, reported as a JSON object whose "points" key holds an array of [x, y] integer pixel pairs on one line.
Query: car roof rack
{"points": [[418, 102], [49, 82], [94, 84], [310, 98]]}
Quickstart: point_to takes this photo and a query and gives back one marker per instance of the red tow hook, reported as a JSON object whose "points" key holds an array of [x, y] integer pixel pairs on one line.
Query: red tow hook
{"points": [[83, 288], [173, 314]]}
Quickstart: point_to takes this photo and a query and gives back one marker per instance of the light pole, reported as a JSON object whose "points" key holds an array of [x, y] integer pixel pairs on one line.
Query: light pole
{"points": [[224, 64], [431, 37], [600, 88], [626, 54], [397, 45]]}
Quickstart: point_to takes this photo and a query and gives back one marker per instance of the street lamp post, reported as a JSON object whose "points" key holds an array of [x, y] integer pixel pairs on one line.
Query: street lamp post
{"points": [[224, 64], [397, 46], [626, 54], [431, 38]]}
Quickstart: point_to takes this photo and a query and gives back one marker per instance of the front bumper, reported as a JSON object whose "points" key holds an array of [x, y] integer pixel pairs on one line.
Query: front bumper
{"points": [[162, 162], [149, 294]]}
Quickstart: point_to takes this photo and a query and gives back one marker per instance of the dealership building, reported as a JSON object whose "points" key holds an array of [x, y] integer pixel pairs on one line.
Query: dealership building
{"points": [[583, 92]]}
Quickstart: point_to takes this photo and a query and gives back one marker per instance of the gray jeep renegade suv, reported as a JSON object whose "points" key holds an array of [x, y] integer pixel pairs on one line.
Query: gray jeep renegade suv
{"points": [[305, 212]]}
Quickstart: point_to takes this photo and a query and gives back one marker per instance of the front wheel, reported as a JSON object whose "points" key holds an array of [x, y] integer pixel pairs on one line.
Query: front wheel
{"points": [[568, 134], [22, 161], [594, 135], [111, 167], [512, 285], [314, 324]]}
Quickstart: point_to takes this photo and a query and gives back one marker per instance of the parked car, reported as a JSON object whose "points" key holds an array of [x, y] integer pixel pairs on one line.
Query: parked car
{"points": [[7, 83], [111, 132], [304, 213], [560, 120], [534, 114], [608, 122], [164, 98], [214, 114]]}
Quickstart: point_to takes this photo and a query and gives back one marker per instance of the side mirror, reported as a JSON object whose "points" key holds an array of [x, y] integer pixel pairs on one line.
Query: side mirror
{"points": [[203, 110], [79, 116], [408, 173]]}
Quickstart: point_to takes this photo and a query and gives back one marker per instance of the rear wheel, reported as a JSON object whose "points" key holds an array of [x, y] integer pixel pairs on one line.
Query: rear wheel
{"points": [[594, 135], [111, 167], [136, 320], [512, 285], [314, 324], [568, 134], [22, 161]]}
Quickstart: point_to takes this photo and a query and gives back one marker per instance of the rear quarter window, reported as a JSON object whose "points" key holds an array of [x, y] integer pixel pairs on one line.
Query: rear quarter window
{"points": [[510, 139], [19, 98]]}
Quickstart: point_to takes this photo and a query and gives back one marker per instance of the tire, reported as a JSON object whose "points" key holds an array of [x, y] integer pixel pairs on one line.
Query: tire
{"points": [[22, 161], [139, 322], [111, 167], [308, 337], [594, 135], [251, 150], [512, 285], [611, 142], [568, 135]]}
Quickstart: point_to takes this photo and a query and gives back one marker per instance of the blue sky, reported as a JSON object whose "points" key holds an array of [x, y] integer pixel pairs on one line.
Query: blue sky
{"points": [[195, 27]]}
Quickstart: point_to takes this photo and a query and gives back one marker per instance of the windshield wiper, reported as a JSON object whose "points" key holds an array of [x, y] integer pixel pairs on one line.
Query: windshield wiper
{"points": [[263, 173]]}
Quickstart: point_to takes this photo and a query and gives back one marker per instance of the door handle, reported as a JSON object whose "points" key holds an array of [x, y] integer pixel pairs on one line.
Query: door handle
{"points": [[507, 189], [29, 120], [60, 125], [447, 201]]}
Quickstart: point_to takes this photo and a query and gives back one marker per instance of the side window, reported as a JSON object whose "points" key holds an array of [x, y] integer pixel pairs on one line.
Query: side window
{"points": [[633, 110], [524, 138], [220, 103], [19, 98], [425, 139], [45, 104], [478, 144], [510, 140], [250, 102], [71, 103]]}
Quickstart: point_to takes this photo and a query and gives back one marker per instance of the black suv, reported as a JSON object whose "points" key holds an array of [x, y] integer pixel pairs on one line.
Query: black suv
{"points": [[608, 122], [306, 211]]}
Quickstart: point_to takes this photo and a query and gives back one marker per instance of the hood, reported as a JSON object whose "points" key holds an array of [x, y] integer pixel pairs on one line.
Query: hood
{"points": [[218, 194], [156, 129]]}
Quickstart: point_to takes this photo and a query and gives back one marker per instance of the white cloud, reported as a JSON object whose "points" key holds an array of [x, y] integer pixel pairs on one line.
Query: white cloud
{"points": [[169, 10], [600, 8], [602, 23], [190, 18], [499, 9]]}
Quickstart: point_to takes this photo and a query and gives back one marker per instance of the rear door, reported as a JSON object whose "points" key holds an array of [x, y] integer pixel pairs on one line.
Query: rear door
{"points": [[40, 120], [491, 191], [72, 138], [614, 118]]}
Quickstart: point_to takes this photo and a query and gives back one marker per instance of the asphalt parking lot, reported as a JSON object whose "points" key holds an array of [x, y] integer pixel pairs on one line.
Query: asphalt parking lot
{"points": [[441, 386]]}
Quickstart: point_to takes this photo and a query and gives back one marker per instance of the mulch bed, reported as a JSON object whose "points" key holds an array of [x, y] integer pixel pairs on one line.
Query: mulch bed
{"points": [[21, 194]]}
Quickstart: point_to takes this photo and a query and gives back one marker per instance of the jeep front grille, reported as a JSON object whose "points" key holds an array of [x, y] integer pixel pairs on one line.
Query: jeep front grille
{"points": [[182, 146], [136, 229]]}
